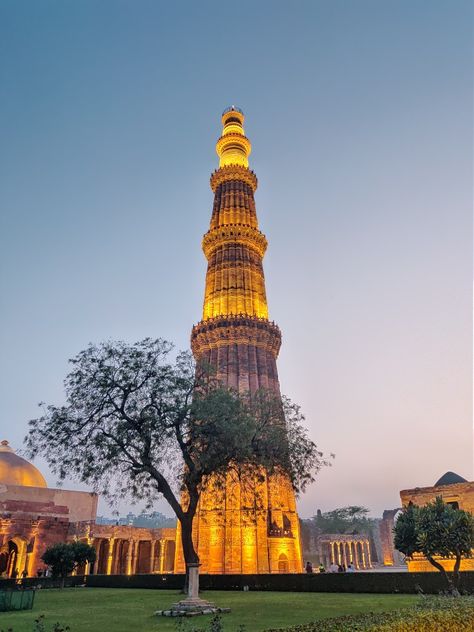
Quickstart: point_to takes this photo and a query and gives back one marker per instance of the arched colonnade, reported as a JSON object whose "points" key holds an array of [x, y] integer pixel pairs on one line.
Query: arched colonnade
{"points": [[345, 550]]}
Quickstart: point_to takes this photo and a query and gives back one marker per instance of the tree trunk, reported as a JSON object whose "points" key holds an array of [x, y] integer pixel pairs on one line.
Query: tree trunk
{"points": [[451, 587], [456, 574], [190, 554]]}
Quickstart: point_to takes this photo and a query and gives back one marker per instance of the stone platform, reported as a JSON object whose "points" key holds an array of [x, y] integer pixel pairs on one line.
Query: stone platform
{"points": [[192, 605], [191, 608]]}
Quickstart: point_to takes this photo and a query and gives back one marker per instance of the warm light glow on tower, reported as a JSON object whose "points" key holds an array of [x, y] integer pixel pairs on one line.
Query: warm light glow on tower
{"points": [[234, 247], [236, 337], [233, 148]]}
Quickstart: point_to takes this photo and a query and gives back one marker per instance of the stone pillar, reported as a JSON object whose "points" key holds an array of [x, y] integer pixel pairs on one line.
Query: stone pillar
{"points": [[344, 554], [128, 559], [364, 563], [193, 583], [28, 563], [110, 556], [332, 553], [152, 556], [369, 558], [135, 556], [95, 565], [162, 555], [356, 555]]}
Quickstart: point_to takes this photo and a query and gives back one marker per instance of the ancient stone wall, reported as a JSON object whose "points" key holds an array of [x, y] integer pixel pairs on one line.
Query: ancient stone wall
{"points": [[461, 495]]}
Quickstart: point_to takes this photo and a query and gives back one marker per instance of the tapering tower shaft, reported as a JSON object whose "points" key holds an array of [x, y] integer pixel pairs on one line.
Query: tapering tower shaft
{"points": [[237, 338]]}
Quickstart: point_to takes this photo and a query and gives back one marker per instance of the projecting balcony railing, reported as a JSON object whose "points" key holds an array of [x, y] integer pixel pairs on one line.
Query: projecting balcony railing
{"points": [[279, 533]]}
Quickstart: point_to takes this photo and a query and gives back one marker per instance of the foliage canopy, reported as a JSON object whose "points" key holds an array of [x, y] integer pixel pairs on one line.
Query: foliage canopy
{"points": [[352, 519], [436, 530], [138, 423], [64, 558]]}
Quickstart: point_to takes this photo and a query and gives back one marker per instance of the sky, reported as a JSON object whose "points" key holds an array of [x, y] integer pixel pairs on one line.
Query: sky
{"points": [[360, 117]]}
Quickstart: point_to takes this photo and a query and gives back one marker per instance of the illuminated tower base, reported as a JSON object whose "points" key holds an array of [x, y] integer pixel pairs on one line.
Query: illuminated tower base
{"points": [[238, 530]]}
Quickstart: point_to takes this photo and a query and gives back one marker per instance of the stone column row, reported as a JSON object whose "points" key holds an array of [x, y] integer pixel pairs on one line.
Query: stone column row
{"points": [[112, 563], [345, 552]]}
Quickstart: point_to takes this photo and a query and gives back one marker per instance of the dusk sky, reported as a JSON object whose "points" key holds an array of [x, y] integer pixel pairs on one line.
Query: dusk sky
{"points": [[360, 117]]}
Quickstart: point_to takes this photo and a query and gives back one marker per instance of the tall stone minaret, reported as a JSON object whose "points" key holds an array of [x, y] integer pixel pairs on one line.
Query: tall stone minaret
{"points": [[237, 338]]}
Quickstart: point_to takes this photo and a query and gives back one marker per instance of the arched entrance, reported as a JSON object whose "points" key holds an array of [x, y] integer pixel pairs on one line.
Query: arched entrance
{"points": [[13, 558], [102, 554], [283, 566], [168, 556], [120, 557]]}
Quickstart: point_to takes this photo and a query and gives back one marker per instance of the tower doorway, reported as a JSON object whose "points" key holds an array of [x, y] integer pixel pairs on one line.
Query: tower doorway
{"points": [[283, 566]]}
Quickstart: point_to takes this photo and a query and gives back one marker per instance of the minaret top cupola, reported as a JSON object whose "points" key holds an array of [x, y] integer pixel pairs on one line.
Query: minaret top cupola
{"points": [[233, 147]]}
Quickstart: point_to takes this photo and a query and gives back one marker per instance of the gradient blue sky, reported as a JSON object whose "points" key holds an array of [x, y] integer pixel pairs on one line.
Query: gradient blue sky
{"points": [[360, 115]]}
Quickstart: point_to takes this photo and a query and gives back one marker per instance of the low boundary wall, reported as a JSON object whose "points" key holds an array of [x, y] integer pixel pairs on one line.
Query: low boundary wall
{"points": [[403, 582], [41, 582]]}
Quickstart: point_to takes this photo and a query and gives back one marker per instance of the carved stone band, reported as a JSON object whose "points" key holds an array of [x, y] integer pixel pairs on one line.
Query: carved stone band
{"points": [[233, 172], [234, 233], [239, 330]]}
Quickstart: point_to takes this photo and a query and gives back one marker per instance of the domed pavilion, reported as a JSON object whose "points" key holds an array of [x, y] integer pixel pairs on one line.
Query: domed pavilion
{"points": [[34, 516], [14, 470]]}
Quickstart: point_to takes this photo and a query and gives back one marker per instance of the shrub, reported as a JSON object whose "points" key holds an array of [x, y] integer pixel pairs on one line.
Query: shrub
{"points": [[441, 614], [214, 625], [39, 626]]}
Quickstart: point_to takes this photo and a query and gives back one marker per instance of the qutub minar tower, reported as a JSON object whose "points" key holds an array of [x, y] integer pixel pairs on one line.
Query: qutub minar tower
{"points": [[237, 338]]}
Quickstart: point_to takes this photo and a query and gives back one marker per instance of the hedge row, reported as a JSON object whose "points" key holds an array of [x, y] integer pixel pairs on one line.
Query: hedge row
{"points": [[41, 582], [403, 582], [136, 581], [444, 614]]}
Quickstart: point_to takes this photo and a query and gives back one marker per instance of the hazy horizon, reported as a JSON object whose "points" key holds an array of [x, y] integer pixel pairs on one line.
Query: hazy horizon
{"points": [[360, 117]]}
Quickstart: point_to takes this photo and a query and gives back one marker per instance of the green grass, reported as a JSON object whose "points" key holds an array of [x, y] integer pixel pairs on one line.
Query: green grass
{"points": [[131, 610]]}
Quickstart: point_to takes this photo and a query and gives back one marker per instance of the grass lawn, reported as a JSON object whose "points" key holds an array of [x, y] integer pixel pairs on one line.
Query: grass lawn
{"points": [[131, 610]]}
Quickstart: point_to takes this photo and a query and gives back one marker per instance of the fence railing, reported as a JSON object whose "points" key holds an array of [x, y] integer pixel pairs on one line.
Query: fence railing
{"points": [[16, 600]]}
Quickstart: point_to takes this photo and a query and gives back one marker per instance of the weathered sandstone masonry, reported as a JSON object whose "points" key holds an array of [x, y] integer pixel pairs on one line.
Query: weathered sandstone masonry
{"points": [[236, 337]]}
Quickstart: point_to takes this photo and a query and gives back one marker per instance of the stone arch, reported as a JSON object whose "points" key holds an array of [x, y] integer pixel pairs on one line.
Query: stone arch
{"points": [[143, 557], [168, 556], [13, 556], [283, 566], [120, 557], [102, 553], [4, 553]]}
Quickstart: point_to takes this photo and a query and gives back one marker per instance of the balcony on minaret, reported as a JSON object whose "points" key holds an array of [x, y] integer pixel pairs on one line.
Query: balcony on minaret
{"points": [[279, 528]]}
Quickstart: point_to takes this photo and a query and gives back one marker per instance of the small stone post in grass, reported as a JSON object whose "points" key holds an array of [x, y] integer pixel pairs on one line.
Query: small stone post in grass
{"points": [[192, 605]]}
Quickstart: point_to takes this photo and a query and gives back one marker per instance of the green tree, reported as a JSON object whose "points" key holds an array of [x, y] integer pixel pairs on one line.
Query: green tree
{"points": [[352, 519], [405, 531], [140, 424], [65, 557], [436, 530]]}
